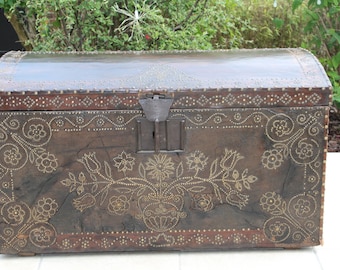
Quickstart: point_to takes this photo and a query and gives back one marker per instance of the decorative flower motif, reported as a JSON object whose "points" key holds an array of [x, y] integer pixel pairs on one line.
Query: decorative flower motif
{"points": [[66, 243], [280, 128], [198, 118], [218, 119], [257, 118], [100, 122], [120, 120], [237, 239], [199, 239], [118, 205], [16, 213], [181, 239], [304, 150], [278, 229], [143, 241], [91, 162], [46, 207], [160, 202], [36, 132], [219, 239], [124, 162], [237, 116], [197, 161], [80, 120], [12, 156], [203, 202], [230, 159], [271, 202], [6, 185], [302, 207], [84, 202], [85, 243], [160, 168], [46, 163], [105, 243], [42, 235], [272, 159], [59, 122]]}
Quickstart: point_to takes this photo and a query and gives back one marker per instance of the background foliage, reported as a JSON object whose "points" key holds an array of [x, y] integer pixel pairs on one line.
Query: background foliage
{"points": [[51, 25]]}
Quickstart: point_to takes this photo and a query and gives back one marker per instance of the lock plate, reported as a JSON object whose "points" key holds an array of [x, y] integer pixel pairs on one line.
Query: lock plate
{"points": [[156, 107], [165, 136]]}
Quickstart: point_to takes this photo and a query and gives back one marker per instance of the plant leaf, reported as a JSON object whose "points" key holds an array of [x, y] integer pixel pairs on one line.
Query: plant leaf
{"points": [[66, 182], [238, 186], [141, 191], [108, 171], [103, 196], [31, 156], [213, 167], [197, 189], [296, 4], [244, 173], [123, 190], [246, 185], [218, 194], [179, 170], [94, 188], [93, 177], [80, 189], [141, 170], [180, 191]]}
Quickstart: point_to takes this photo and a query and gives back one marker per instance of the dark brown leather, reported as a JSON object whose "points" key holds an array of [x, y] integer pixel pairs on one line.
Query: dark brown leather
{"points": [[84, 170], [244, 78]]}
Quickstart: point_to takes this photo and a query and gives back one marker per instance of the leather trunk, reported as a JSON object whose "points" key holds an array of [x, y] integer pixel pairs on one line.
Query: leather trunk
{"points": [[182, 150]]}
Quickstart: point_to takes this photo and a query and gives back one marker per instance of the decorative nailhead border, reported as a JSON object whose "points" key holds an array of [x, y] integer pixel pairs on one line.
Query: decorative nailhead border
{"points": [[169, 240], [187, 99]]}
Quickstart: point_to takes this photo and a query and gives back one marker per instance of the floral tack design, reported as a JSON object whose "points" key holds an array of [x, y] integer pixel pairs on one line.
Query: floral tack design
{"points": [[197, 161], [292, 138], [24, 142], [293, 220], [25, 225], [295, 139], [124, 162], [159, 188]]}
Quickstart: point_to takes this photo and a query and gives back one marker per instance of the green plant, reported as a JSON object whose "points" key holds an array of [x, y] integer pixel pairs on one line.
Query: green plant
{"points": [[323, 27], [271, 25], [124, 25]]}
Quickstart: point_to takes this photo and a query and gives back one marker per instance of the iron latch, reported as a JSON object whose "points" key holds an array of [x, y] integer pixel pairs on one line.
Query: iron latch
{"points": [[156, 107], [156, 132]]}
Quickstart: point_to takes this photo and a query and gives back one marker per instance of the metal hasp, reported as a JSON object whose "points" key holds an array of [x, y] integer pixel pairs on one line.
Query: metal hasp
{"points": [[155, 132]]}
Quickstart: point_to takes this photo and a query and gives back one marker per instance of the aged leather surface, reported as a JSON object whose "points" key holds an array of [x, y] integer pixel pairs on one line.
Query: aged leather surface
{"points": [[275, 68], [117, 80], [238, 163], [72, 181]]}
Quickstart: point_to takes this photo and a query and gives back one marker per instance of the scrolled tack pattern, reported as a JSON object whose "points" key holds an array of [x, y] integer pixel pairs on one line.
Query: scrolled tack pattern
{"points": [[160, 193]]}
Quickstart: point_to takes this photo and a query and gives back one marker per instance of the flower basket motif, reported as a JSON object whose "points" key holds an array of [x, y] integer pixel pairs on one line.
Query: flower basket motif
{"points": [[157, 186]]}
